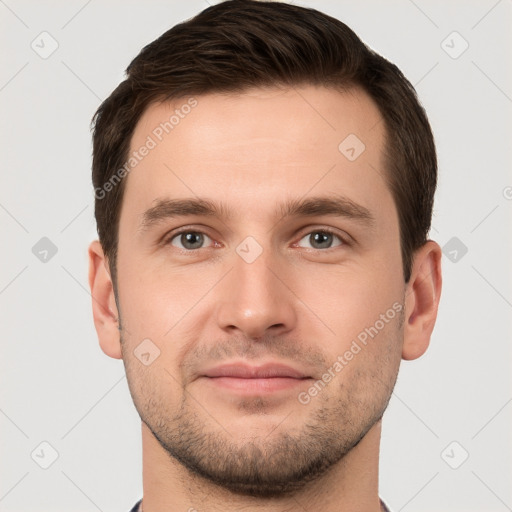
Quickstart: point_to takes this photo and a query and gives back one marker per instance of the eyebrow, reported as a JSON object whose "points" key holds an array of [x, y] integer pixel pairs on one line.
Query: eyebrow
{"points": [[334, 205]]}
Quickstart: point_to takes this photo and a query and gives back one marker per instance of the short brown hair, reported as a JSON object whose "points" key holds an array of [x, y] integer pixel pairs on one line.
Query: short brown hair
{"points": [[240, 44]]}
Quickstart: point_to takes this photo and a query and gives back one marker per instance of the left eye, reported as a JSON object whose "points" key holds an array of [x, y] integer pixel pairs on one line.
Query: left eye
{"points": [[189, 240], [321, 239]]}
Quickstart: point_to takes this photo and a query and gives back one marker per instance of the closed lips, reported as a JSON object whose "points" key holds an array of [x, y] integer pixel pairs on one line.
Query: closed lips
{"points": [[255, 372]]}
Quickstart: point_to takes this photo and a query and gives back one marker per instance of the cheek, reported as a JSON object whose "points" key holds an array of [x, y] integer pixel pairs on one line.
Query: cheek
{"points": [[346, 301], [152, 300], [154, 392], [167, 309]]}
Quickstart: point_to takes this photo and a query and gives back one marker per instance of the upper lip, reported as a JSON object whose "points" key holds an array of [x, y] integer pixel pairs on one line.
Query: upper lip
{"points": [[245, 371]]}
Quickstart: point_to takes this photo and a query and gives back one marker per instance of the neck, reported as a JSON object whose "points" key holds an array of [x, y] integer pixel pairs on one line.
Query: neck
{"points": [[350, 485]]}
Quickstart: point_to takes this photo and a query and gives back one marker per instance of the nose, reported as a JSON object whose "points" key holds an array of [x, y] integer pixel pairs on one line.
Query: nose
{"points": [[255, 300]]}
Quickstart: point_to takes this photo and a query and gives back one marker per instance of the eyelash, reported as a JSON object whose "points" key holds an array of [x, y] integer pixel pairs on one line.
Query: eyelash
{"points": [[343, 240]]}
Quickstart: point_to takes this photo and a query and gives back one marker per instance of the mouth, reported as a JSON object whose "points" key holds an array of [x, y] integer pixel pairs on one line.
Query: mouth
{"points": [[264, 379]]}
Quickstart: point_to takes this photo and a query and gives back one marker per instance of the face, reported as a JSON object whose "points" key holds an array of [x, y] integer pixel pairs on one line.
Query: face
{"points": [[262, 262]]}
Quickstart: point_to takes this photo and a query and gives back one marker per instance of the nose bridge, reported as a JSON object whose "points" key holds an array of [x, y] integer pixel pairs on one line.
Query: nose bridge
{"points": [[254, 275], [253, 299]]}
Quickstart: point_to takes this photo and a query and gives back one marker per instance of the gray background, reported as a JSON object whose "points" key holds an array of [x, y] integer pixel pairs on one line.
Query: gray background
{"points": [[56, 384]]}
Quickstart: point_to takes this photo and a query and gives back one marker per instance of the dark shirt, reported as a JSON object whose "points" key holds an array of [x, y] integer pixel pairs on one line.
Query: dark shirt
{"points": [[384, 506], [137, 507]]}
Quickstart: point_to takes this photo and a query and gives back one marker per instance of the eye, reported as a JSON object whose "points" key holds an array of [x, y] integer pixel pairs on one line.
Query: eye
{"points": [[322, 239], [188, 240]]}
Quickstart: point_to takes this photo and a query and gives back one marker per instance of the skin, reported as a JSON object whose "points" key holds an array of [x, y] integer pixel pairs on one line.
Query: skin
{"points": [[300, 302]]}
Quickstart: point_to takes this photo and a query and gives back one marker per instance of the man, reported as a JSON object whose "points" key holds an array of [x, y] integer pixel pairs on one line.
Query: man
{"points": [[264, 186]]}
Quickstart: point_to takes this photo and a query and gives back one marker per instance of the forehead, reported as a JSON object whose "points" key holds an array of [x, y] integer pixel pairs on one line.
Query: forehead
{"points": [[260, 144]]}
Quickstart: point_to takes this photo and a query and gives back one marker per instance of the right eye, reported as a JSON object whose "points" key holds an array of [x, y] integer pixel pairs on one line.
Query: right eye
{"points": [[188, 240]]}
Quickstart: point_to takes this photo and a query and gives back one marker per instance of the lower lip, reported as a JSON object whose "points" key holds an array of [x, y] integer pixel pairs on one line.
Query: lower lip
{"points": [[258, 386]]}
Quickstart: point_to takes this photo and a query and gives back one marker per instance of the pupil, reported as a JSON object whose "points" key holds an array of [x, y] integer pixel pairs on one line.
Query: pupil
{"points": [[322, 238], [191, 239]]}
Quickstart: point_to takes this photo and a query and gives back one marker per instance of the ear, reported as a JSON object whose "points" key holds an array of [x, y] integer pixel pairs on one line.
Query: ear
{"points": [[104, 308], [422, 300]]}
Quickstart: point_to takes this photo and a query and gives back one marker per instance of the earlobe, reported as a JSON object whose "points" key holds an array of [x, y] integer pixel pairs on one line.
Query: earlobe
{"points": [[104, 307], [422, 300]]}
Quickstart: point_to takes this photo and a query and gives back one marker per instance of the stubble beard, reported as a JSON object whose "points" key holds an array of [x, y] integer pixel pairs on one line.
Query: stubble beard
{"points": [[280, 463]]}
